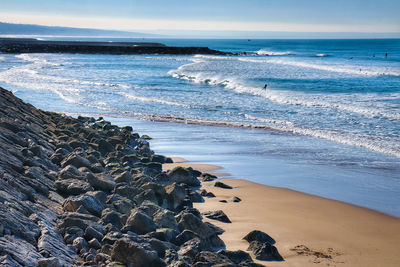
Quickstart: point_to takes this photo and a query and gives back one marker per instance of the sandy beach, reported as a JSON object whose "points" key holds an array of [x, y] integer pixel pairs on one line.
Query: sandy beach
{"points": [[308, 230]]}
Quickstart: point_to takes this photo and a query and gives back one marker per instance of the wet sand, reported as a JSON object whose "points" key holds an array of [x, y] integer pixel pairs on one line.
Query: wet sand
{"points": [[308, 230]]}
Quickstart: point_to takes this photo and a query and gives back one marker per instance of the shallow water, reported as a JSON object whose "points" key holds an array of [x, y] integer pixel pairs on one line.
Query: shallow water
{"points": [[328, 122]]}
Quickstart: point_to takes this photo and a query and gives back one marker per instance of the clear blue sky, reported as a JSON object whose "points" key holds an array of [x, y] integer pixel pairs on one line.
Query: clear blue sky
{"points": [[206, 15]]}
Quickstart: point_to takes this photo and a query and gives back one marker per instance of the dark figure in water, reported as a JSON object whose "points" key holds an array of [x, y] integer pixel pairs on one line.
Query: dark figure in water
{"points": [[265, 87], [385, 55]]}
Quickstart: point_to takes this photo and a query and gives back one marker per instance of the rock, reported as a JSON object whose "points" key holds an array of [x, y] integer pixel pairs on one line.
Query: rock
{"points": [[237, 257], [223, 201], [183, 175], [71, 172], [259, 236], [195, 197], [124, 177], [48, 262], [208, 257], [90, 203], [75, 160], [265, 251], [190, 248], [72, 186], [101, 182], [18, 224], [190, 222], [222, 185], [206, 177], [140, 223], [236, 199], [210, 195], [175, 195], [218, 215], [165, 219], [112, 217], [94, 243], [185, 236], [104, 147], [133, 254], [21, 251], [92, 233], [80, 243]]}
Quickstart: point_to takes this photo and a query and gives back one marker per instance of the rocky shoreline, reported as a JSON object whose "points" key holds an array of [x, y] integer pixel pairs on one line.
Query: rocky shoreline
{"points": [[83, 192], [22, 45]]}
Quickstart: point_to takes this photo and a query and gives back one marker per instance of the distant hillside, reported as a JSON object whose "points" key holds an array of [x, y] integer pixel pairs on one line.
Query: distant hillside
{"points": [[32, 29]]}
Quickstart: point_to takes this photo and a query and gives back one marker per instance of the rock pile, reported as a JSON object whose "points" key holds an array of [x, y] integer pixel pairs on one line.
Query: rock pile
{"points": [[85, 192]]}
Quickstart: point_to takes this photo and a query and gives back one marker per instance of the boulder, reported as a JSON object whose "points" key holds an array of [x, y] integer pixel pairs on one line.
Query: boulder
{"points": [[134, 254], [124, 177], [183, 175], [237, 257], [72, 186], [259, 236], [101, 182], [175, 195], [140, 223], [222, 185], [21, 251], [218, 215], [264, 251], [75, 160], [91, 233], [90, 203]]}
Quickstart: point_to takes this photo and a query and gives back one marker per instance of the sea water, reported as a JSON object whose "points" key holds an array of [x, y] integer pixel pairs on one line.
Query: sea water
{"points": [[319, 116]]}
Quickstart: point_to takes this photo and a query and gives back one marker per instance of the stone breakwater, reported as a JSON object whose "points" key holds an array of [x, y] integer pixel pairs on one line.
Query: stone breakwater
{"points": [[83, 192], [21, 45]]}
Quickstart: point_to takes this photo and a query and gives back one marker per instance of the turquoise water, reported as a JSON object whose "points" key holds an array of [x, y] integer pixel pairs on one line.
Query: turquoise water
{"points": [[331, 107]]}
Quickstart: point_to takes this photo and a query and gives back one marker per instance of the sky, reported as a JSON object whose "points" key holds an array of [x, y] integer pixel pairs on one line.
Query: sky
{"points": [[364, 16]]}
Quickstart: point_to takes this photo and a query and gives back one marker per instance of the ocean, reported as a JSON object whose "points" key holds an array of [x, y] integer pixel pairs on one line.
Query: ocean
{"points": [[318, 116]]}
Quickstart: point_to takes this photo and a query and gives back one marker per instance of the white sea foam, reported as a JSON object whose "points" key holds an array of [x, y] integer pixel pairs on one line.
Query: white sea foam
{"points": [[321, 55], [264, 52], [373, 143], [345, 69], [2, 59], [153, 100]]}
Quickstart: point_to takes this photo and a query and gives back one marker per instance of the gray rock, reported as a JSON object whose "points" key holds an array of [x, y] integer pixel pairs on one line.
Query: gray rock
{"points": [[18, 224], [112, 217], [21, 251], [236, 199], [101, 182], [49, 262], [140, 223], [208, 257], [124, 177], [218, 215], [259, 236], [175, 195], [165, 219], [71, 172], [91, 233], [94, 243], [75, 160], [72, 186], [222, 185], [90, 203], [185, 236], [190, 248], [265, 251], [237, 257], [80, 243], [183, 175], [133, 254]]}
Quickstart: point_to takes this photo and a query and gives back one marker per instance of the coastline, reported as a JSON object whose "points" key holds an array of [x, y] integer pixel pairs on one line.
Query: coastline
{"points": [[308, 229]]}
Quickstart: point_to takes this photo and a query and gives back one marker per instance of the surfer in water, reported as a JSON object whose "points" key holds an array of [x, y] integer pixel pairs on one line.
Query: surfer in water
{"points": [[265, 87]]}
